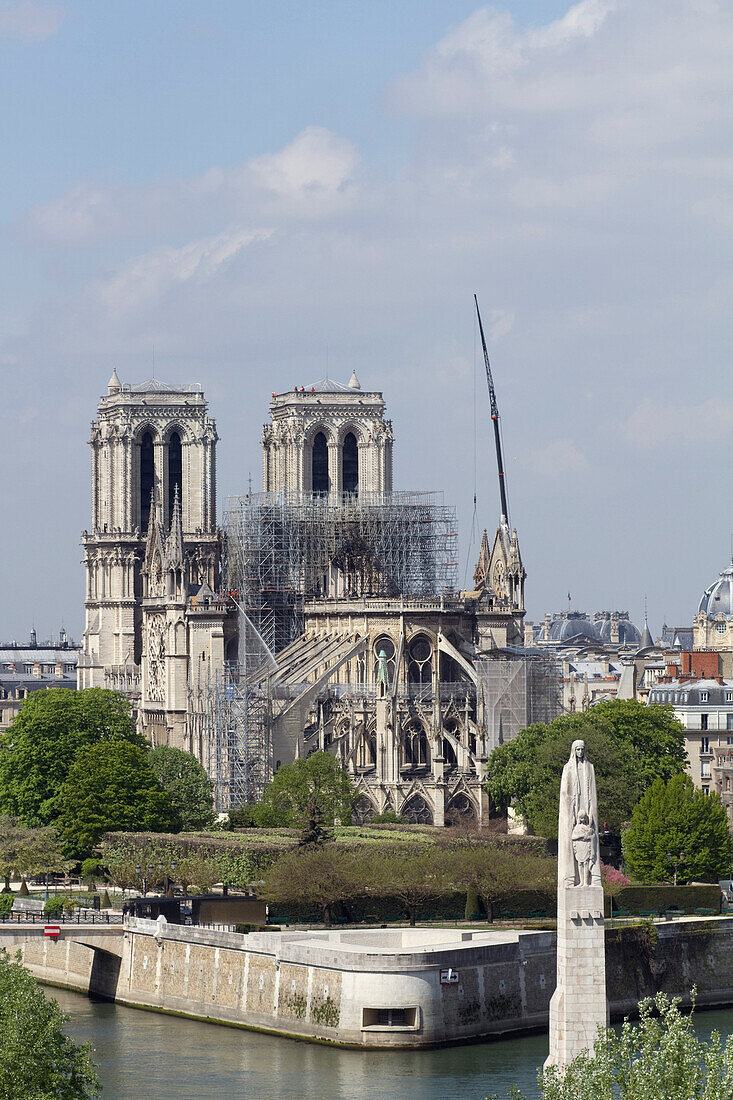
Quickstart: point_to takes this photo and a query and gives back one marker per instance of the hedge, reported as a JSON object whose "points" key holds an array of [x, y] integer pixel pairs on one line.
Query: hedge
{"points": [[640, 899], [382, 910]]}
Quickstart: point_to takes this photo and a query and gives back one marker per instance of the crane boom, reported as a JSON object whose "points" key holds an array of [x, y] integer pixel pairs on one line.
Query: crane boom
{"points": [[495, 418]]}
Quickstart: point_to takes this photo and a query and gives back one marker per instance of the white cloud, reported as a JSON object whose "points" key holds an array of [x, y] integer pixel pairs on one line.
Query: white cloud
{"points": [[316, 161], [29, 20], [660, 423], [574, 174], [557, 460], [312, 176], [142, 280]]}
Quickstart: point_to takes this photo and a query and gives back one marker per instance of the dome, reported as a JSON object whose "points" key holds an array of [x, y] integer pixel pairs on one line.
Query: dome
{"points": [[718, 598], [628, 634], [573, 627]]}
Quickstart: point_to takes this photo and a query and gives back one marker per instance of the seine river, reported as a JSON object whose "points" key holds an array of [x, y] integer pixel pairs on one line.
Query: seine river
{"points": [[157, 1057]]}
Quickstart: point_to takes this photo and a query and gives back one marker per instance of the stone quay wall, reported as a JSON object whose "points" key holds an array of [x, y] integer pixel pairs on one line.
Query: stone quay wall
{"points": [[372, 988]]}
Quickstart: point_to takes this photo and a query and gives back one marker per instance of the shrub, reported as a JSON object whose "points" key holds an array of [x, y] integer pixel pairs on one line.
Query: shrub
{"points": [[54, 907], [389, 817], [6, 904], [91, 870]]}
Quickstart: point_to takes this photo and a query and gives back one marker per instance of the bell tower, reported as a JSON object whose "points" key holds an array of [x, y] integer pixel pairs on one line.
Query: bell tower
{"points": [[328, 439], [152, 444]]}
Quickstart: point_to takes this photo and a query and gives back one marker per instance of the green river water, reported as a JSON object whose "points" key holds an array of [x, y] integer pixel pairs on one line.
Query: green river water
{"points": [[155, 1057]]}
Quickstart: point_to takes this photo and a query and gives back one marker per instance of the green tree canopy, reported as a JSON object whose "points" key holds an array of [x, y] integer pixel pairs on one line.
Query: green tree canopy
{"points": [[44, 740], [37, 1060], [189, 787], [630, 745], [316, 876], [27, 851], [318, 783], [675, 824], [658, 1058], [411, 876], [496, 872], [111, 787]]}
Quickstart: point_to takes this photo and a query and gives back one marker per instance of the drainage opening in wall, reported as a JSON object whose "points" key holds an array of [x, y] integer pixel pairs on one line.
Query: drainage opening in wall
{"points": [[391, 1019]]}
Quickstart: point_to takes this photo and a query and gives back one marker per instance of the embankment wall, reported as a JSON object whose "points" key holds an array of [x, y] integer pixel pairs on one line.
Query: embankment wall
{"points": [[377, 988]]}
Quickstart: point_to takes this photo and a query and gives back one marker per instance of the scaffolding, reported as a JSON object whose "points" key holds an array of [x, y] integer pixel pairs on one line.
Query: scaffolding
{"points": [[516, 693], [284, 548], [239, 756]]}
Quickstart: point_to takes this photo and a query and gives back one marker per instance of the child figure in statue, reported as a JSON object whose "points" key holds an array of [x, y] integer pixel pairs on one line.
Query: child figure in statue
{"points": [[583, 849]]}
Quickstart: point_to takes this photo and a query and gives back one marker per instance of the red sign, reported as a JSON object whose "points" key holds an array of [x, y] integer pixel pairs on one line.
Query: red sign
{"points": [[52, 930], [449, 976]]}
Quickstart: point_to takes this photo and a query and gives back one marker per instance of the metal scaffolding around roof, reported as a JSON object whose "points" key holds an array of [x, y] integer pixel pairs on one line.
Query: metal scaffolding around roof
{"points": [[515, 693], [284, 548], [238, 742]]}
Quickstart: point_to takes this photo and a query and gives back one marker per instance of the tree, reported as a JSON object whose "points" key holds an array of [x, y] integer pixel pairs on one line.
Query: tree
{"points": [[659, 1057], [630, 745], [316, 876], [676, 827], [411, 876], [189, 787], [27, 851], [111, 787], [46, 737], [497, 871], [319, 782], [37, 1060]]}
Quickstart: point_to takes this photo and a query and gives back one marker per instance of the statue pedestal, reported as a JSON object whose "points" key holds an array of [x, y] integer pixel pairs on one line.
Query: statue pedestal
{"points": [[579, 1005]]}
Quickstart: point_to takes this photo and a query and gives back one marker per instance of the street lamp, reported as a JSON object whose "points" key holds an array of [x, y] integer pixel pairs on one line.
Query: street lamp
{"points": [[676, 862], [138, 870]]}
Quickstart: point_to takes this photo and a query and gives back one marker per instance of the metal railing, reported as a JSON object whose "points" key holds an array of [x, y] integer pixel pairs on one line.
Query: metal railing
{"points": [[88, 917]]}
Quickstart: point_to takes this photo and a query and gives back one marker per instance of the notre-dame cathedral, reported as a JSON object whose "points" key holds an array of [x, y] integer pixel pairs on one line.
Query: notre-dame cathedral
{"points": [[348, 585]]}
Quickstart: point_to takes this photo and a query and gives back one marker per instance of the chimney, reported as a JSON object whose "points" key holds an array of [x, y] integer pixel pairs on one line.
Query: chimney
{"points": [[37, 671], [59, 670]]}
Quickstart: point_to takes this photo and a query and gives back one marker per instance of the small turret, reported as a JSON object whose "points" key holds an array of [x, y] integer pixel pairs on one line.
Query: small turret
{"points": [[114, 385]]}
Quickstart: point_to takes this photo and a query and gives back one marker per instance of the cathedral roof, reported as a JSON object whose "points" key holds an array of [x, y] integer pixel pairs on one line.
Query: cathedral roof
{"points": [[154, 385], [327, 385]]}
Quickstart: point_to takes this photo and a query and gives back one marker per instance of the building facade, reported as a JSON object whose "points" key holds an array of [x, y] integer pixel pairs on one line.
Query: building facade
{"points": [[152, 546], [324, 615]]}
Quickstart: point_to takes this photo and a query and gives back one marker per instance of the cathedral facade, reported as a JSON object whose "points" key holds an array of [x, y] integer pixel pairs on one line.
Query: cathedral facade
{"points": [[376, 656]]}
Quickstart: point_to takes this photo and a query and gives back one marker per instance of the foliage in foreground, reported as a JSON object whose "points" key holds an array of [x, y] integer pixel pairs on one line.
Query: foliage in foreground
{"points": [[306, 789], [37, 1060], [111, 786], [658, 1058], [46, 737], [25, 851], [675, 825], [323, 877], [629, 744], [185, 780]]}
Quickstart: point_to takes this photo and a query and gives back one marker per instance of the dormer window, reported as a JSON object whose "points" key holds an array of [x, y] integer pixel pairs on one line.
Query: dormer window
{"points": [[703, 696]]}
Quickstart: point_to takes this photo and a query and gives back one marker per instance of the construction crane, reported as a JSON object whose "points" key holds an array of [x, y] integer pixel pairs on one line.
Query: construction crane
{"points": [[495, 419]]}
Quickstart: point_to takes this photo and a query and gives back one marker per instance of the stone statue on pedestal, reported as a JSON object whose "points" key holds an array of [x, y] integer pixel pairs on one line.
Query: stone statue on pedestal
{"points": [[579, 1005], [577, 836]]}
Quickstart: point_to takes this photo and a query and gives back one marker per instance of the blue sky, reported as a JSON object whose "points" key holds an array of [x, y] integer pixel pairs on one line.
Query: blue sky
{"points": [[244, 191]]}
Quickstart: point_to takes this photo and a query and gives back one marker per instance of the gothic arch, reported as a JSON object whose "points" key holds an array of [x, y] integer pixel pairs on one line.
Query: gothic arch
{"points": [[320, 426], [417, 810], [415, 745], [351, 427], [363, 810], [461, 809], [182, 431], [146, 475]]}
